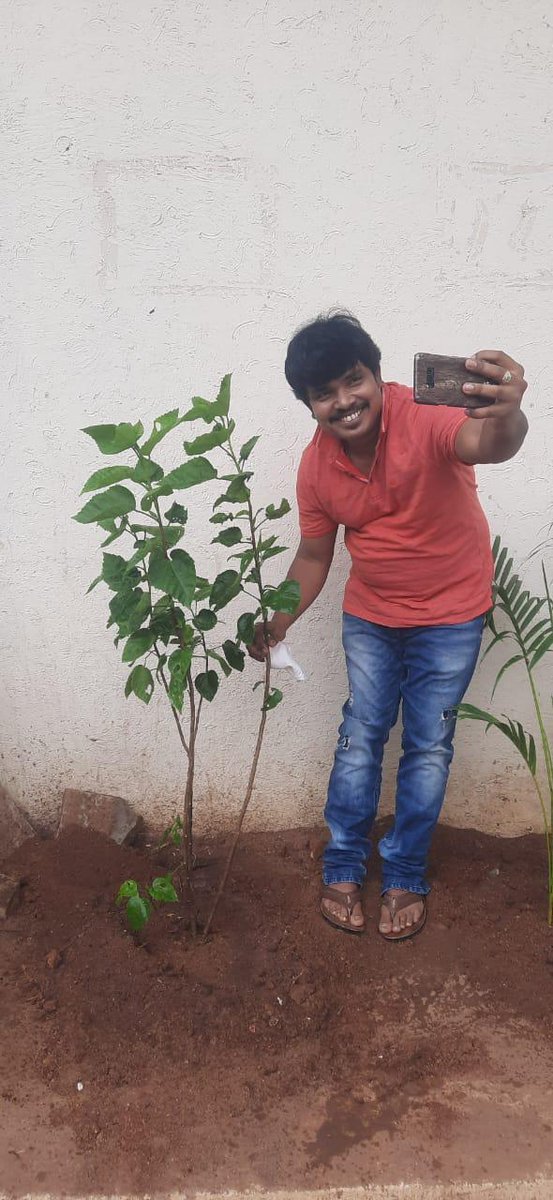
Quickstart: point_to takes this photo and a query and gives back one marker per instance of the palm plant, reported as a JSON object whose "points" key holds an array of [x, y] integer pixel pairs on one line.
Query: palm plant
{"points": [[530, 633]]}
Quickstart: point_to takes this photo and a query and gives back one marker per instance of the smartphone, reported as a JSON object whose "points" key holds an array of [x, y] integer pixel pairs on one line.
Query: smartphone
{"points": [[438, 379]]}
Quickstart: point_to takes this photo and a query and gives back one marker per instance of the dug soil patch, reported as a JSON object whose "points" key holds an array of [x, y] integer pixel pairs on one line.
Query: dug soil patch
{"points": [[281, 1053]]}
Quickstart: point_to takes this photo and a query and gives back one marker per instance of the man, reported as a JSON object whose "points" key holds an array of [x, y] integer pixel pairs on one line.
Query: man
{"points": [[399, 476]]}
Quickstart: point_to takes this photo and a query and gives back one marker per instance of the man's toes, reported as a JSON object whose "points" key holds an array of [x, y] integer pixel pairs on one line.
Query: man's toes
{"points": [[385, 925], [357, 915], [334, 911]]}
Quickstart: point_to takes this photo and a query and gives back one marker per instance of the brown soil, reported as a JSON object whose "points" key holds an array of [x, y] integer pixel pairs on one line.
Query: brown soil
{"points": [[281, 1053]]}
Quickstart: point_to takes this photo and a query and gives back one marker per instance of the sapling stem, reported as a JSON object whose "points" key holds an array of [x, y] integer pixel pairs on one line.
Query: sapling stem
{"points": [[189, 747], [263, 719], [245, 802]]}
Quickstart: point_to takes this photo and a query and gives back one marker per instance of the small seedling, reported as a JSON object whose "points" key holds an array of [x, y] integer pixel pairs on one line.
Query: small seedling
{"points": [[172, 836], [139, 901]]}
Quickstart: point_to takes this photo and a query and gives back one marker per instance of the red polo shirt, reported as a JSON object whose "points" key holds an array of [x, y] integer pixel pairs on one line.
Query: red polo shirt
{"points": [[418, 538]]}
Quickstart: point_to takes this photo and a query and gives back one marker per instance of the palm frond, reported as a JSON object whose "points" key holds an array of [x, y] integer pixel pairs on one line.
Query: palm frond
{"points": [[513, 730]]}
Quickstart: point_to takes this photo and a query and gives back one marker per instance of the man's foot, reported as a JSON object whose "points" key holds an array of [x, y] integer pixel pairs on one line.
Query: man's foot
{"points": [[403, 914], [341, 905]]}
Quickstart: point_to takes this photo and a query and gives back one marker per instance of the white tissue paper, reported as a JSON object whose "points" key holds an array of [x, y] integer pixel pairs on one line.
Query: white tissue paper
{"points": [[282, 659]]}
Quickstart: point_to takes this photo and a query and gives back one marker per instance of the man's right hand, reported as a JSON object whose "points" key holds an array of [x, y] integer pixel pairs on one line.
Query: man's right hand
{"points": [[261, 644], [310, 569]]}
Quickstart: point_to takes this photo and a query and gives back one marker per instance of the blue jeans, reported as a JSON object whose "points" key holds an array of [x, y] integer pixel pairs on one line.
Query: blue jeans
{"points": [[427, 669]]}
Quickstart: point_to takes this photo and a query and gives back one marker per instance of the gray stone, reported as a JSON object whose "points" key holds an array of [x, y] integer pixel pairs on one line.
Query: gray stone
{"points": [[9, 895], [14, 826], [110, 815]]}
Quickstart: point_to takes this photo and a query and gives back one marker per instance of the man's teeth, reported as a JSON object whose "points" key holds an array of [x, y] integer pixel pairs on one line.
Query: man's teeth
{"points": [[352, 416]]}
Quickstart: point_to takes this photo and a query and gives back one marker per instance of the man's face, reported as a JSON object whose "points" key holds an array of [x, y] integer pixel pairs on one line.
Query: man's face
{"points": [[349, 407]]}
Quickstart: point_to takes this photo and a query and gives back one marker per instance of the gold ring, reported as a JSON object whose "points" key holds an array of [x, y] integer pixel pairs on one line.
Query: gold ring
{"points": [[507, 377]]}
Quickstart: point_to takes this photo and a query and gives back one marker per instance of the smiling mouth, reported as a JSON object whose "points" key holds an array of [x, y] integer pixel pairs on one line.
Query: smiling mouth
{"points": [[350, 417]]}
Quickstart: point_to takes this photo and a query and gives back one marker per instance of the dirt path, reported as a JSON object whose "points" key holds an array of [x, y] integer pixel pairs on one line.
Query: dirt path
{"points": [[282, 1054]]}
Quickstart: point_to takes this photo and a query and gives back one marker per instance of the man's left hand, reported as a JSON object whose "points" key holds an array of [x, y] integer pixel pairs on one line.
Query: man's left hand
{"points": [[505, 388], [494, 433]]}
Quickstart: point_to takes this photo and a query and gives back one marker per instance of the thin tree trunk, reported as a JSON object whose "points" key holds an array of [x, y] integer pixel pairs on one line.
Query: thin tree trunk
{"points": [[246, 801], [187, 825]]}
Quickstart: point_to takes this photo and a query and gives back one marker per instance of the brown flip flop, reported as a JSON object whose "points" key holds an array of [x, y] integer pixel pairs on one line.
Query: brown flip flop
{"points": [[395, 904], [346, 901]]}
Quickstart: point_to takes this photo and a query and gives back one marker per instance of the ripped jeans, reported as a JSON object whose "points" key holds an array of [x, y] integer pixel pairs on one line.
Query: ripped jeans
{"points": [[427, 670]]}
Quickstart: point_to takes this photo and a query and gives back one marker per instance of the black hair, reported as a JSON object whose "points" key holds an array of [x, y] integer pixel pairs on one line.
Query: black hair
{"points": [[325, 349]]}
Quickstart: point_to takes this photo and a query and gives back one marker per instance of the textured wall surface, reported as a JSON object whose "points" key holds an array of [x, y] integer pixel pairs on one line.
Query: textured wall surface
{"points": [[185, 184]]}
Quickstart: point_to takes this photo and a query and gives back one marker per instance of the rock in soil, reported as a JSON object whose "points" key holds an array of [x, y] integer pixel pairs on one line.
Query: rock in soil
{"points": [[14, 826], [110, 815], [9, 895]]}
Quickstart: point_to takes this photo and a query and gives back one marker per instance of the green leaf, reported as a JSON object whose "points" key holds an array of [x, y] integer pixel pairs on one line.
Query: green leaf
{"points": [[234, 656], [222, 403], [175, 575], [147, 471], [513, 730], [203, 588], [207, 684], [138, 644], [199, 470], [95, 582], [129, 608], [116, 572], [208, 411], [237, 491], [511, 661], [171, 535], [284, 598], [177, 513], [245, 558], [246, 628], [271, 553], [545, 646], [208, 441], [229, 537], [220, 518], [202, 410], [162, 889], [273, 513], [114, 530], [222, 662], [138, 913], [185, 574], [140, 683], [173, 833], [112, 439], [115, 502], [179, 666], [205, 619], [162, 627], [105, 477], [181, 659], [248, 447], [128, 888], [225, 588], [274, 698], [162, 425]]}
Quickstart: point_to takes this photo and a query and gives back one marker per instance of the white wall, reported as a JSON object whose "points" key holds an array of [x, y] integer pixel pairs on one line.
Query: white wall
{"points": [[185, 184]]}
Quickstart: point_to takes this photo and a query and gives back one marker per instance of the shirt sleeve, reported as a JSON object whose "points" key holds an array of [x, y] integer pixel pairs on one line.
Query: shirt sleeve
{"points": [[315, 521], [445, 424]]}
